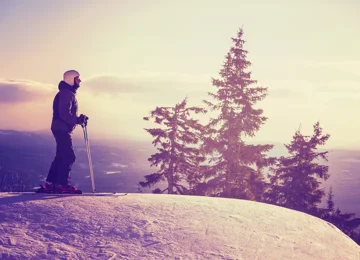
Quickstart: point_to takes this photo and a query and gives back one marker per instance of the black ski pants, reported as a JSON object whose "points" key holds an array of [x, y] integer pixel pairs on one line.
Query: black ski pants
{"points": [[65, 157]]}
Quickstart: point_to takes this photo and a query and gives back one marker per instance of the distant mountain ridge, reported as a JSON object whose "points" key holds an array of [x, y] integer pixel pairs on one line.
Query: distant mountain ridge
{"points": [[33, 152]]}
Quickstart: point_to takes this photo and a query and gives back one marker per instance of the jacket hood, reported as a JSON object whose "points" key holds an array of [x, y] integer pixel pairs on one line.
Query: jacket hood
{"points": [[64, 85]]}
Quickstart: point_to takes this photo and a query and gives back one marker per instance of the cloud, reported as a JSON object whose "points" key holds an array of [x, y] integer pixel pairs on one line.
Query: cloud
{"points": [[324, 89], [143, 89], [338, 86], [348, 67], [147, 83], [344, 104], [324, 71], [111, 84], [18, 90], [289, 89], [284, 93]]}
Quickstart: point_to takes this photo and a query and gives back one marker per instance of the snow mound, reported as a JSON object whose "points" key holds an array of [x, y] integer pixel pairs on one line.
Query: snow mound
{"points": [[149, 226]]}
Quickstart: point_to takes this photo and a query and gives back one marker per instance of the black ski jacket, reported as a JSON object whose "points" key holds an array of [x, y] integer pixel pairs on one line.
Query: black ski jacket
{"points": [[65, 109]]}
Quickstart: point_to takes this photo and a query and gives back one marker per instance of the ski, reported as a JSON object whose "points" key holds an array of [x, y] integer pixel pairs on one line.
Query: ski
{"points": [[67, 194]]}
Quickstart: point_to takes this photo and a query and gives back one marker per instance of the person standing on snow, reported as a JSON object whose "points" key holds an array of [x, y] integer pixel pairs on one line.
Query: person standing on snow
{"points": [[64, 121]]}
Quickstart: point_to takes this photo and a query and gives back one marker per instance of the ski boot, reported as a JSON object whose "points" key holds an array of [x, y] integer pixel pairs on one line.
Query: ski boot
{"points": [[67, 189], [47, 188]]}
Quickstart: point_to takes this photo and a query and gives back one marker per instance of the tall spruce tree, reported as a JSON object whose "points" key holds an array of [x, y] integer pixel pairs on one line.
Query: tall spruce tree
{"points": [[236, 166], [297, 178], [179, 153]]}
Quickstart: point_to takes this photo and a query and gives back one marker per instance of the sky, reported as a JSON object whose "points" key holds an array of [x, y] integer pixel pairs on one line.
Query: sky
{"points": [[136, 55], [163, 226]]}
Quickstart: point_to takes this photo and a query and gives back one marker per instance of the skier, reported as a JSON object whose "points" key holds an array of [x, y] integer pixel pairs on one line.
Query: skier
{"points": [[64, 121]]}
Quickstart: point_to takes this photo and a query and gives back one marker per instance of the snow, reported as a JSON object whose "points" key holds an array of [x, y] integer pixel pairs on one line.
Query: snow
{"points": [[154, 226], [112, 172], [119, 165]]}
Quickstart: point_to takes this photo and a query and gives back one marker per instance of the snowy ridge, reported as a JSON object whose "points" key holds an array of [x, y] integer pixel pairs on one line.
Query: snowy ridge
{"points": [[149, 226]]}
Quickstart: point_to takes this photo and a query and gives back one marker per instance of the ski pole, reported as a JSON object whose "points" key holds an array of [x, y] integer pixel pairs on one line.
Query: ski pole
{"points": [[89, 158], [87, 145]]}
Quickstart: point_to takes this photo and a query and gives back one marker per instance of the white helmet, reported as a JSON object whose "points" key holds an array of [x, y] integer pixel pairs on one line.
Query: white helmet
{"points": [[70, 75]]}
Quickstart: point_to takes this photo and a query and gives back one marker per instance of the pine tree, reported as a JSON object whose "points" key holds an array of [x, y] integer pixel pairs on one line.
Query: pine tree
{"points": [[179, 153], [296, 179], [330, 202], [346, 222], [236, 166]]}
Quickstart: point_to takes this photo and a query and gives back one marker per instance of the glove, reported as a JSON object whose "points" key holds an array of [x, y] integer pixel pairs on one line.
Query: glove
{"points": [[82, 119]]}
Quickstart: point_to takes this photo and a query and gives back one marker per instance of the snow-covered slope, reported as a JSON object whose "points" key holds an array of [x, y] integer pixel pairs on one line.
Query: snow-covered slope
{"points": [[149, 226]]}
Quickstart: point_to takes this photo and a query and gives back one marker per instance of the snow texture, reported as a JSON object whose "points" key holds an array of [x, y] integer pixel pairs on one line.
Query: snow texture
{"points": [[149, 226]]}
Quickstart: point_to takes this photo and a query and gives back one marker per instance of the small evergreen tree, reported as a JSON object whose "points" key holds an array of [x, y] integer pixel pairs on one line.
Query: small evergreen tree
{"points": [[296, 180], [236, 167], [346, 222], [330, 202], [13, 180], [179, 153]]}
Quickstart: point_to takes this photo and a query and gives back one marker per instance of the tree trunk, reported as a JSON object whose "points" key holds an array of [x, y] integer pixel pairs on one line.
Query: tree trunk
{"points": [[170, 178], [228, 185]]}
